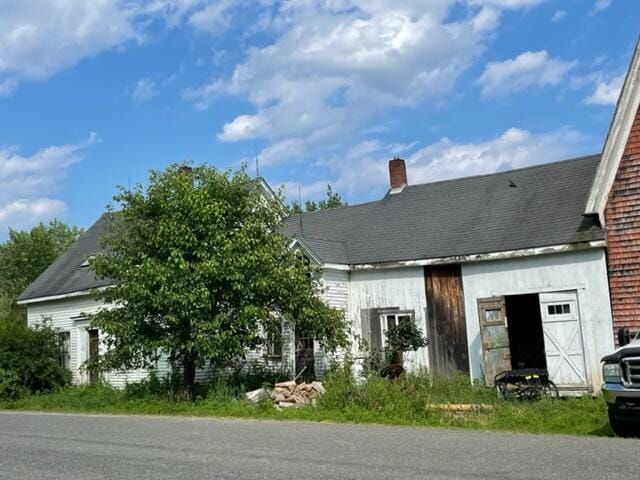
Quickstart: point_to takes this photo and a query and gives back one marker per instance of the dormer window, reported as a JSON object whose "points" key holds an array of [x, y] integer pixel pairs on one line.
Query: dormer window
{"points": [[87, 260]]}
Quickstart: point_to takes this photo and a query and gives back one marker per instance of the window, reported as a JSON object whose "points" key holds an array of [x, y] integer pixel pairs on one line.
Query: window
{"points": [[559, 309], [274, 343], [389, 320], [65, 353], [87, 261]]}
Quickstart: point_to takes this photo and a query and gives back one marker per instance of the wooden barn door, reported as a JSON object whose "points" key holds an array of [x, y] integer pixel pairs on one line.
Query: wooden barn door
{"points": [[496, 354], [446, 324]]}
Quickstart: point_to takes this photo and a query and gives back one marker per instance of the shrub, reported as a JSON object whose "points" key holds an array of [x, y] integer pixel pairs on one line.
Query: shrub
{"points": [[404, 337], [29, 359]]}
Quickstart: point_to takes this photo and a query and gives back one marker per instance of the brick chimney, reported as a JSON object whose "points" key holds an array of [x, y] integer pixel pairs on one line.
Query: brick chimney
{"points": [[397, 173]]}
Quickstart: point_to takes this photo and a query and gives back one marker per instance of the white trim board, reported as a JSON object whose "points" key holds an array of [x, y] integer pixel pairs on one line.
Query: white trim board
{"points": [[616, 141]]}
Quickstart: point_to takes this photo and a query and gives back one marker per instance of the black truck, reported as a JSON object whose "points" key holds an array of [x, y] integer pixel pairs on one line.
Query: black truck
{"points": [[621, 388]]}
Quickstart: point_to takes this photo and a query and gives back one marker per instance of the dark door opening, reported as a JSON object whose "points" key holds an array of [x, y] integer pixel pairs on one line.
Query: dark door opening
{"points": [[304, 356], [526, 338], [94, 351]]}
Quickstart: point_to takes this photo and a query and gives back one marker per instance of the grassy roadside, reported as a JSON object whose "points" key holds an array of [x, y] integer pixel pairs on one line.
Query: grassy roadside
{"points": [[410, 402]]}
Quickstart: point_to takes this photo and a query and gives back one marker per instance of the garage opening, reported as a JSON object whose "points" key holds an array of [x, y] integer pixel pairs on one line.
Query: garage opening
{"points": [[526, 337]]}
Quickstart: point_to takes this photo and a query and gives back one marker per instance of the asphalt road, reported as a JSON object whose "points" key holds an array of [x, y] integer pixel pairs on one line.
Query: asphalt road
{"points": [[50, 446]]}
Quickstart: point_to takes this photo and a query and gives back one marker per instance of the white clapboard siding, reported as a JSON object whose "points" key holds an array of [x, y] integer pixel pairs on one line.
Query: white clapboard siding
{"points": [[68, 315], [336, 295]]}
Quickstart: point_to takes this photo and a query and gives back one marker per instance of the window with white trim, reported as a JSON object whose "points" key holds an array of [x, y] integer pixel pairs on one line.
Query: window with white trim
{"points": [[392, 319]]}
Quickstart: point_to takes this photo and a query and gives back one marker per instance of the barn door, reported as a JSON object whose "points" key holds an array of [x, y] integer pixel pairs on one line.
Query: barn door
{"points": [[563, 340], [446, 323], [495, 337]]}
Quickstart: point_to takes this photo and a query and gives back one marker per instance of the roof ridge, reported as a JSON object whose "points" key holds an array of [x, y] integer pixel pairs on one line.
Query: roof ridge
{"points": [[505, 172], [451, 180]]}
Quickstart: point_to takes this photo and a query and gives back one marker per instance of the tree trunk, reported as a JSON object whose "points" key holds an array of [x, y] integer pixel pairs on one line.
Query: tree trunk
{"points": [[188, 375]]}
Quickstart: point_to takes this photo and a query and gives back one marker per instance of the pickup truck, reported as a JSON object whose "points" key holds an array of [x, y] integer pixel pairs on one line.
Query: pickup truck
{"points": [[621, 388]]}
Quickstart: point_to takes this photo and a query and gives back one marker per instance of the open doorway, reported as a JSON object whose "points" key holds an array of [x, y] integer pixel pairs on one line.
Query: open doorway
{"points": [[526, 337]]}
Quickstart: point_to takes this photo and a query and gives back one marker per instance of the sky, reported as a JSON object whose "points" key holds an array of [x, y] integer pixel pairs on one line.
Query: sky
{"points": [[95, 94]]}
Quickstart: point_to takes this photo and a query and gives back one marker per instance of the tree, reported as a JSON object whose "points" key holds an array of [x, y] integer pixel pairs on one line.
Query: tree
{"points": [[333, 200], [30, 359], [200, 272], [26, 254], [404, 337]]}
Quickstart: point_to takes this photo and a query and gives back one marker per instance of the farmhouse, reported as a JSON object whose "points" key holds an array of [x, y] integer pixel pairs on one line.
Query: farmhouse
{"points": [[527, 268]]}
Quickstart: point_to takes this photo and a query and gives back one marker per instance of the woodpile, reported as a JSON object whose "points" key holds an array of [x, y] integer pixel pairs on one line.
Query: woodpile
{"points": [[289, 394]]}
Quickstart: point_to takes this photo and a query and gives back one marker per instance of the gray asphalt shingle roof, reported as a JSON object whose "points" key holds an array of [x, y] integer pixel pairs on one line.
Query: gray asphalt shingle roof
{"points": [[66, 274], [466, 216]]}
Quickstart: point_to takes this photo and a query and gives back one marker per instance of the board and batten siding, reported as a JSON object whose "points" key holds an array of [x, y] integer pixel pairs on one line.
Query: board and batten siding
{"points": [[583, 271], [403, 288]]}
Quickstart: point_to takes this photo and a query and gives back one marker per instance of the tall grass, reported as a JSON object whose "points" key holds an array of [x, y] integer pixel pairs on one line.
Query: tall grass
{"points": [[414, 400]]}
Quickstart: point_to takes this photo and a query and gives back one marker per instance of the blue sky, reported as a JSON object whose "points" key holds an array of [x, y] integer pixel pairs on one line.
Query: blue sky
{"points": [[94, 94]]}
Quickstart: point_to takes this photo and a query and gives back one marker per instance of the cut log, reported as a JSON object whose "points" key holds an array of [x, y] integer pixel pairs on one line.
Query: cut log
{"points": [[255, 395], [290, 385]]}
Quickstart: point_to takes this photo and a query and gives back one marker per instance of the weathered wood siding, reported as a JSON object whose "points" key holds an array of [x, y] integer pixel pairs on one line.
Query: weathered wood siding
{"points": [[582, 271], [623, 235], [397, 287], [446, 326]]}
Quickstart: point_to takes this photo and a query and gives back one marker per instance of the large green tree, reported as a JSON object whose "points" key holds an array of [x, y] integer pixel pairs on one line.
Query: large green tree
{"points": [[26, 254], [201, 271]]}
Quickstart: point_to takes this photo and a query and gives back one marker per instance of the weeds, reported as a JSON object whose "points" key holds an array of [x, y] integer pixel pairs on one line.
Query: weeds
{"points": [[416, 399]]}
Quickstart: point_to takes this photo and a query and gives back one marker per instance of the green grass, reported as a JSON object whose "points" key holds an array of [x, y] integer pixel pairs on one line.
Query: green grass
{"points": [[409, 402]]}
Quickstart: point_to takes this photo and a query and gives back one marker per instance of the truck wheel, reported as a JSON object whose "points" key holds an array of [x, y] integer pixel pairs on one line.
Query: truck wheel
{"points": [[621, 428]]}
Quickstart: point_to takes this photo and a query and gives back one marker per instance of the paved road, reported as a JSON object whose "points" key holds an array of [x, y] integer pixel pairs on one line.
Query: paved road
{"points": [[49, 446]]}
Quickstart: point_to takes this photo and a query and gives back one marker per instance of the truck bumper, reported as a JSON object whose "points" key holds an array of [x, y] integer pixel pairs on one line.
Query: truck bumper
{"points": [[623, 402]]}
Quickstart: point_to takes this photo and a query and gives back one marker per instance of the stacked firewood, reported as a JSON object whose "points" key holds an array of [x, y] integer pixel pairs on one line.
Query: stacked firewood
{"points": [[289, 394]]}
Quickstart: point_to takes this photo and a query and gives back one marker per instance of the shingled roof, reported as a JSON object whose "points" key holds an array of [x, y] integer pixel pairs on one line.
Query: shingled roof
{"points": [[70, 273], [519, 209]]}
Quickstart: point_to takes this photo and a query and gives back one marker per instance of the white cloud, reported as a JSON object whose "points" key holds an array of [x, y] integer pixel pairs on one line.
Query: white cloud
{"points": [[8, 86], [214, 18], [509, 4], [334, 64], [599, 6], [515, 148], [27, 181], [558, 16], [364, 168], [606, 92], [23, 213], [307, 191], [241, 127], [38, 38], [144, 89], [527, 70]]}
